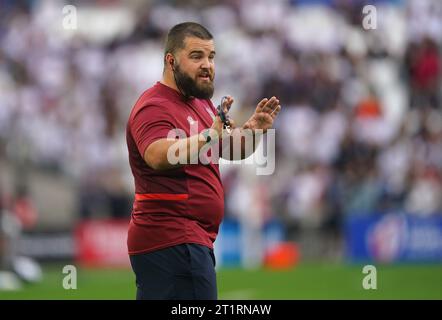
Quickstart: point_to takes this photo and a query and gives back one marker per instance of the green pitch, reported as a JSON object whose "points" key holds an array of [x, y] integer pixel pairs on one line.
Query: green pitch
{"points": [[306, 281]]}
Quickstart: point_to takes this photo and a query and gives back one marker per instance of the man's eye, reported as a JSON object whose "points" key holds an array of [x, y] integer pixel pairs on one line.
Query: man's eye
{"points": [[195, 57]]}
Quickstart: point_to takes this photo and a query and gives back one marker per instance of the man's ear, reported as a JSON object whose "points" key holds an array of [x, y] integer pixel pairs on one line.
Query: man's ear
{"points": [[171, 61]]}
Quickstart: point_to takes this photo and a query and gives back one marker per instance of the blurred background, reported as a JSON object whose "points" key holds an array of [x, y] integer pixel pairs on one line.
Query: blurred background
{"points": [[358, 175]]}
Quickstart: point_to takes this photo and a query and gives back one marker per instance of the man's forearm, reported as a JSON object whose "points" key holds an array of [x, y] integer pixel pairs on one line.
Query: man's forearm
{"points": [[167, 154]]}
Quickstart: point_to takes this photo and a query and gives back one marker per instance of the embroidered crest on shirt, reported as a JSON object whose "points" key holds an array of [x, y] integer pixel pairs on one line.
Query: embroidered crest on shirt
{"points": [[190, 119]]}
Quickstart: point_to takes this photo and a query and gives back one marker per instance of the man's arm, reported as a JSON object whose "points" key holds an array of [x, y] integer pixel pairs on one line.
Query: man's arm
{"points": [[242, 142], [163, 153]]}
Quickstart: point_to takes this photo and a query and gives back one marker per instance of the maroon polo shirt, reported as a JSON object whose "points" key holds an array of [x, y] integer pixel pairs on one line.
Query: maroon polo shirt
{"points": [[182, 205]]}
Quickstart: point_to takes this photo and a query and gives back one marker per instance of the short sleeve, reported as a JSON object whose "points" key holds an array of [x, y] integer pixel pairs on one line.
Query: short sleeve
{"points": [[150, 124]]}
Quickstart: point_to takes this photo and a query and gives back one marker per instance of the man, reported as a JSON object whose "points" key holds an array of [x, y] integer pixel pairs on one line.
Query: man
{"points": [[178, 207]]}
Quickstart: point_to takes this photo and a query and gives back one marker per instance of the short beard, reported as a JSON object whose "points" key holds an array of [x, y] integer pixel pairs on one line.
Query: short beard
{"points": [[190, 88]]}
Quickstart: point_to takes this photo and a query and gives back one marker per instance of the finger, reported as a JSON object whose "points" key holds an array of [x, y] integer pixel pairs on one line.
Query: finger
{"points": [[261, 104], [275, 108], [228, 100], [227, 103], [275, 111], [270, 105], [230, 103]]}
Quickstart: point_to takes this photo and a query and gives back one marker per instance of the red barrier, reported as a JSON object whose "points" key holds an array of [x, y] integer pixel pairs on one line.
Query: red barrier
{"points": [[102, 243]]}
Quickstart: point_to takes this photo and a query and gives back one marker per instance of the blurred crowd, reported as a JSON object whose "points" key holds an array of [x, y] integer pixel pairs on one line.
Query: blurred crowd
{"points": [[360, 131]]}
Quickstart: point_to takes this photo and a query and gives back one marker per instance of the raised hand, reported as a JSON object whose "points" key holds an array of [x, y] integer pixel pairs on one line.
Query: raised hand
{"points": [[227, 103], [218, 125], [265, 112]]}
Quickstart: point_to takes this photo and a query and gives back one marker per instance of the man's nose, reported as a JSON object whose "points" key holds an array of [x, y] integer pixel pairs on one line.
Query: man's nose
{"points": [[205, 64]]}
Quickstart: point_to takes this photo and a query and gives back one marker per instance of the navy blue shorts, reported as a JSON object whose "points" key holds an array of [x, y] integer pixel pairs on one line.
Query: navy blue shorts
{"points": [[183, 272]]}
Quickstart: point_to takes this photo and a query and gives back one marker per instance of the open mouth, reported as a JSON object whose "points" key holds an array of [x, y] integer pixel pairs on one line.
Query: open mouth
{"points": [[205, 77]]}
